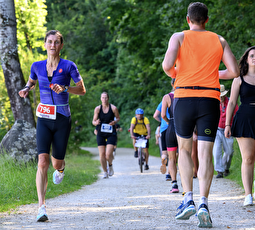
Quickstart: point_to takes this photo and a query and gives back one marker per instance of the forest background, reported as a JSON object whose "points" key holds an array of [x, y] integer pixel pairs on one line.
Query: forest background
{"points": [[118, 46]]}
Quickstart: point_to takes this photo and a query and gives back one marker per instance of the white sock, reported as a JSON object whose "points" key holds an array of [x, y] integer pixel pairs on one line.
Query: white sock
{"points": [[188, 196], [203, 200]]}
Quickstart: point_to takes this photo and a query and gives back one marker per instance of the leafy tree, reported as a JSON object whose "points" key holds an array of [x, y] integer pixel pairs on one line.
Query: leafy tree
{"points": [[30, 18], [14, 79]]}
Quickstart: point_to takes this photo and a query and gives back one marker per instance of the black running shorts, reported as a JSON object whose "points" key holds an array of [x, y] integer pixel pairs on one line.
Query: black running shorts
{"points": [[106, 140], [201, 112], [55, 132]]}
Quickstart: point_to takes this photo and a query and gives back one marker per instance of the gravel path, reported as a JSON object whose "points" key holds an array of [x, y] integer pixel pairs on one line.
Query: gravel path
{"points": [[133, 200]]}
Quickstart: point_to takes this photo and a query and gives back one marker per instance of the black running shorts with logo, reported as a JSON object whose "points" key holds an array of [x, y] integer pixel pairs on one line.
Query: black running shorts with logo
{"points": [[103, 140], [55, 132], [204, 113]]}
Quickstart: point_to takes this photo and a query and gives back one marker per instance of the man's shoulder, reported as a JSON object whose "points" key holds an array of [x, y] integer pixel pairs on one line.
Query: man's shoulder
{"points": [[146, 120], [133, 120]]}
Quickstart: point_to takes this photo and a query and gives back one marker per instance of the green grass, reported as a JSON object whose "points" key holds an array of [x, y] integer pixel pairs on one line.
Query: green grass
{"points": [[17, 181], [235, 168]]}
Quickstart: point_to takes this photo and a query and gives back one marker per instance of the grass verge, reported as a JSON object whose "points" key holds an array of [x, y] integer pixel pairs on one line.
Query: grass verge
{"points": [[17, 181]]}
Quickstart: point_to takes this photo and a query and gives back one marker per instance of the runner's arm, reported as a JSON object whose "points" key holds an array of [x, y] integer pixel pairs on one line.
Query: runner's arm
{"points": [[157, 116], [30, 85], [165, 105], [95, 120], [172, 54], [235, 88], [230, 62]]}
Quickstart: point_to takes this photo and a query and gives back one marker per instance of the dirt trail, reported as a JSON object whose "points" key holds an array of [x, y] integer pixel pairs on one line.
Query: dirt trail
{"points": [[133, 200]]}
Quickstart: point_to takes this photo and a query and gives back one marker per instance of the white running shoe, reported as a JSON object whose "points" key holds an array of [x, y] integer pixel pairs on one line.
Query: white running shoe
{"points": [[110, 171], [58, 177], [42, 216], [248, 200], [105, 175]]}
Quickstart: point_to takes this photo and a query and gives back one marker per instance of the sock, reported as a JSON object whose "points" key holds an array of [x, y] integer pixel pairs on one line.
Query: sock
{"points": [[174, 182], [62, 170], [203, 200], [110, 165], [188, 196]]}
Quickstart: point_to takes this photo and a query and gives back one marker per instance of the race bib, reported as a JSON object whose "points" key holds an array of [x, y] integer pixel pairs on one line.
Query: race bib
{"points": [[46, 111], [106, 128]]}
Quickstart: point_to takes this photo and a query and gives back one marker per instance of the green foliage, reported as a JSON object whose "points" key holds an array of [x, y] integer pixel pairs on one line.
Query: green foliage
{"points": [[6, 116], [31, 18], [18, 185]]}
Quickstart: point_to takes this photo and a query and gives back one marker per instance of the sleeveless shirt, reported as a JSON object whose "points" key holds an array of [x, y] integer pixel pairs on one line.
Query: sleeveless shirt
{"points": [[247, 92], [198, 64], [106, 118]]}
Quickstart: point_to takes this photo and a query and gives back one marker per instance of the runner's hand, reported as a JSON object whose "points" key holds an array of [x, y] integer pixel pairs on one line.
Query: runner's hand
{"points": [[24, 92]]}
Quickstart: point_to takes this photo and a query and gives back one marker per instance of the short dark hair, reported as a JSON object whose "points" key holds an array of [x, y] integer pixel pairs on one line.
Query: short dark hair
{"points": [[54, 32], [197, 12], [105, 93], [243, 65]]}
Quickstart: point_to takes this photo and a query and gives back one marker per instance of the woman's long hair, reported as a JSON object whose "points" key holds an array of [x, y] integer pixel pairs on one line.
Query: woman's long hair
{"points": [[243, 65]]}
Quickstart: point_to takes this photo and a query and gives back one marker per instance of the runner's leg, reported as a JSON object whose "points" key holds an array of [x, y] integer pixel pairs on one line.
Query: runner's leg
{"points": [[205, 170], [41, 177]]}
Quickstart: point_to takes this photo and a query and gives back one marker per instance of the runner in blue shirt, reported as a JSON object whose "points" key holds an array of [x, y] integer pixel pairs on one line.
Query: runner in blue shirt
{"points": [[163, 128], [54, 117]]}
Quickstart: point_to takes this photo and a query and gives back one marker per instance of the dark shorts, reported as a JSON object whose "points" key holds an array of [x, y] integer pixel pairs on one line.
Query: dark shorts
{"points": [[171, 139], [137, 135], [106, 140], [55, 132], [201, 112], [163, 140]]}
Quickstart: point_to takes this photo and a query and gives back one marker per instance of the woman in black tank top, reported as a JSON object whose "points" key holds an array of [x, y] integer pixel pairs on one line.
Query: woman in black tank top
{"points": [[243, 126], [104, 121]]}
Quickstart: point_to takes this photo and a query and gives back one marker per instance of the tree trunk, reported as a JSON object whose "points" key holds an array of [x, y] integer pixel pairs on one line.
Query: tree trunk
{"points": [[14, 78]]}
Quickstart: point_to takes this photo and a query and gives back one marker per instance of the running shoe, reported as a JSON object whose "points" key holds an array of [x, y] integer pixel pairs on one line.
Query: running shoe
{"points": [[42, 216], [219, 175], [203, 216], [110, 171], [174, 188], [168, 177], [146, 167], [180, 207], [136, 154], [185, 211], [58, 177], [248, 200], [226, 173], [163, 166], [105, 175]]}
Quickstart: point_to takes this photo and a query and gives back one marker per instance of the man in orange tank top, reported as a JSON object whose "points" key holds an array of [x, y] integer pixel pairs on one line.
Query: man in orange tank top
{"points": [[193, 58]]}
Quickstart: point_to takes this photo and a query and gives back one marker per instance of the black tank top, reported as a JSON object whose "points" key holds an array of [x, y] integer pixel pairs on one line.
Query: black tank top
{"points": [[247, 92], [106, 118]]}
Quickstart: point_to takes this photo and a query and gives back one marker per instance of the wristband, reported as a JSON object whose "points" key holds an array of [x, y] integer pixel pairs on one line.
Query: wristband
{"points": [[66, 87], [227, 125], [27, 87]]}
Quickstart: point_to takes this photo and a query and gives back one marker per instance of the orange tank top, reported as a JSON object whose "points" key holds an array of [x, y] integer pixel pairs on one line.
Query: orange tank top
{"points": [[198, 64]]}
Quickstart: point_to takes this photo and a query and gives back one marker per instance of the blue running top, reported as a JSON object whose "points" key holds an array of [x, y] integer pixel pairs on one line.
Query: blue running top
{"points": [[62, 75], [163, 125]]}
